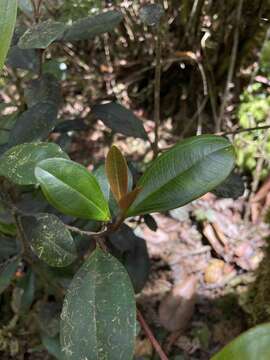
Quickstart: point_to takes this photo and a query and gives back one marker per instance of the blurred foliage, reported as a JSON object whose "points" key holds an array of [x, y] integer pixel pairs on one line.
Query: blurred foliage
{"points": [[72, 10], [253, 111]]}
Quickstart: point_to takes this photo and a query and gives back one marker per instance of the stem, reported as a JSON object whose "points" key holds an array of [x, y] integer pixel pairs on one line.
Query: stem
{"points": [[151, 336], [231, 67], [243, 130], [157, 92]]}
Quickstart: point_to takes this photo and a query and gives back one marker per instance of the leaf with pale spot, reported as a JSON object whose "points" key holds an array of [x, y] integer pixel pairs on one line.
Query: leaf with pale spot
{"points": [[107, 329], [49, 239], [18, 163]]}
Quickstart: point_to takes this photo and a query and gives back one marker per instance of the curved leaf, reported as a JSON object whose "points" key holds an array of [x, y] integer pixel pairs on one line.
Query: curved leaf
{"points": [[185, 172], [71, 189], [8, 13], [34, 124], [117, 173], [42, 35], [49, 239], [253, 344], [107, 329], [120, 120], [18, 163], [92, 26]]}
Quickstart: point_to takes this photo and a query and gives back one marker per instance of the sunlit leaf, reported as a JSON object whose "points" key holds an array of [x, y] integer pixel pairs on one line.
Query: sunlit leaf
{"points": [[72, 189], [8, 13], [187, 171], [253, 344]]}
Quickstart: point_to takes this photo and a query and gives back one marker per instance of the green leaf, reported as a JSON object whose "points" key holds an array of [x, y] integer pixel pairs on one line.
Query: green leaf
{"points": [[92, 26], [23, 59], [107, 329], [120, 120], [42, 35], [52, 344], [253, 344], [187, 171], [49, 239], [45, 89], [34, 124], [8, 13], [18, 163], [72, 189], [9, 248], [7, 271], [7, 229], [117, 173], [27, 286], [7, 122], [151, 14]]}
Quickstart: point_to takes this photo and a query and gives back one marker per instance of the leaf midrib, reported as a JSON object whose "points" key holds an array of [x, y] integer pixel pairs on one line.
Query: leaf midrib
{"points": [[185, 171]]}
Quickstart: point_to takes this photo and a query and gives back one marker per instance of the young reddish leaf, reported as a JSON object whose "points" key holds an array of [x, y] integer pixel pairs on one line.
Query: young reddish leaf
{"points": [[126, 201], [117, 173]]}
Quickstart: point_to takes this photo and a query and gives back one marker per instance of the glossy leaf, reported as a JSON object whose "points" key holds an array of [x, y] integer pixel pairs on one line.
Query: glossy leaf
{"points": [[187, 171], [34, 124], [117, 173], [232, 187], [42, 35], [120, 120], [49, 239], [107, 329], [71, 189], [8, 13], [18, 163], [45, 89], [89, 27], [253, 344], [7, 272]]}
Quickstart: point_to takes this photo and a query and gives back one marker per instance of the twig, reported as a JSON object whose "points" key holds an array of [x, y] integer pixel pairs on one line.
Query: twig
{"points": [[243, 130], [87, 233], [157, 91], [231, 67], [151, 336]]}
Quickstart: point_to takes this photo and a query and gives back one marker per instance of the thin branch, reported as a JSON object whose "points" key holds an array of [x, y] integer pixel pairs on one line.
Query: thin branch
{"points": [[157, 91], [243, 130], [151, 336], [231, 67], [87, 233]]}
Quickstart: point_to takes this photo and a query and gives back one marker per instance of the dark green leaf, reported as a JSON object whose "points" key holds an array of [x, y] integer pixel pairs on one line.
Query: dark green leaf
{"points": [[150, 222], [233, 187], [71, 125], [7, 122], [187, 171], [92, 26], [18, 163], [23, 59], [7, 271], [45, 89], [52, 344], [133, 254], [42, 35], [107, 329], [8, 13], [120, 120], [49, 318], [7, 229], [49, 239], [151, 14], [71, 189], [9, 248], [27, 285], [25, 6], [253, 344], [34, 124]]}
